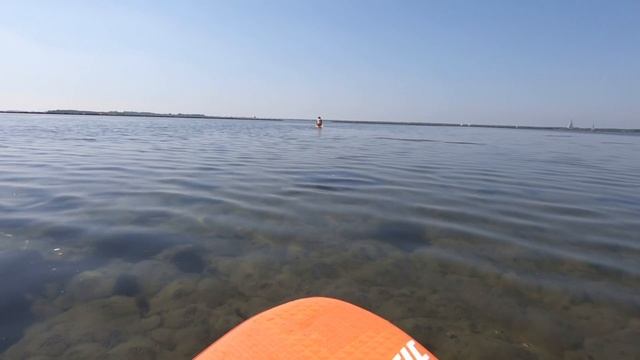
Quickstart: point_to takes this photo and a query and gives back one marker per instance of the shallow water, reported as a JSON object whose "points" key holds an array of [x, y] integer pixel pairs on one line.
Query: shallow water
{"points": [[149, 238]]}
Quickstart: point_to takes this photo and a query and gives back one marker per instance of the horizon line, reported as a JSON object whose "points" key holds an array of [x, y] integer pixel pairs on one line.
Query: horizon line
{"points": [[128, 113]]}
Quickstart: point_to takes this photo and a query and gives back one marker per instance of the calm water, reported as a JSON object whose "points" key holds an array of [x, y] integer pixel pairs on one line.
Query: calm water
{"points": [[149, 238]]}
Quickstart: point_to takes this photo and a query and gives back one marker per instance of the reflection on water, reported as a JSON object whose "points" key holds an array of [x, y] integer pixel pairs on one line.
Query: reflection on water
{"points": [[149, 238]]}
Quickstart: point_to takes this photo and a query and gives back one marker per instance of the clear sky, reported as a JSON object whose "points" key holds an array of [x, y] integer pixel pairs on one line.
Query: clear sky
{"points": [[505, 62]]}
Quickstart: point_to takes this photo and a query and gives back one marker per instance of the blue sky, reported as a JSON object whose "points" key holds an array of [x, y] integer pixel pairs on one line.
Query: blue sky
{"points": [[504, 62]]}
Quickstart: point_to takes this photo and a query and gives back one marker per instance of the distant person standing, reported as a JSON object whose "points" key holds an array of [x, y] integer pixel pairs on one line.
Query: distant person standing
{"points": [[319, 122]]}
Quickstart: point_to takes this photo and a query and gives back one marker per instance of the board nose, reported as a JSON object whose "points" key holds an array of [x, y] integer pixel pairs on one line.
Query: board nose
{"points": [[316, 328]]}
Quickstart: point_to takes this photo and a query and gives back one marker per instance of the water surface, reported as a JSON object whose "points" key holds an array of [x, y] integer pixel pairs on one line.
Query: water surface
{"points": [[149, 238]]}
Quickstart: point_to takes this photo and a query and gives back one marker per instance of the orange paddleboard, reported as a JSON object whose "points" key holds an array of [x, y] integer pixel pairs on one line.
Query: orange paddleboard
{"points": [[316, 328]]}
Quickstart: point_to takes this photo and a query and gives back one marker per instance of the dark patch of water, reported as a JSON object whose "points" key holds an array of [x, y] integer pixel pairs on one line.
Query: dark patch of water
{"points": [[126, 285], [189, 261], [23, 275], [405, 236], [133, 246], [63, 233]]}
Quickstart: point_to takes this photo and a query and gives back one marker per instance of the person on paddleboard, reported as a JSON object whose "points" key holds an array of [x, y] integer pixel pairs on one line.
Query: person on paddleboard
{"points": [[319, 122]]}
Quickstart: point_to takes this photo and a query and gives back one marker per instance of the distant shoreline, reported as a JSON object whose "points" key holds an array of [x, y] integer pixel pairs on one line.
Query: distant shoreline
{"points": [[133, 114], [202, 116]]}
